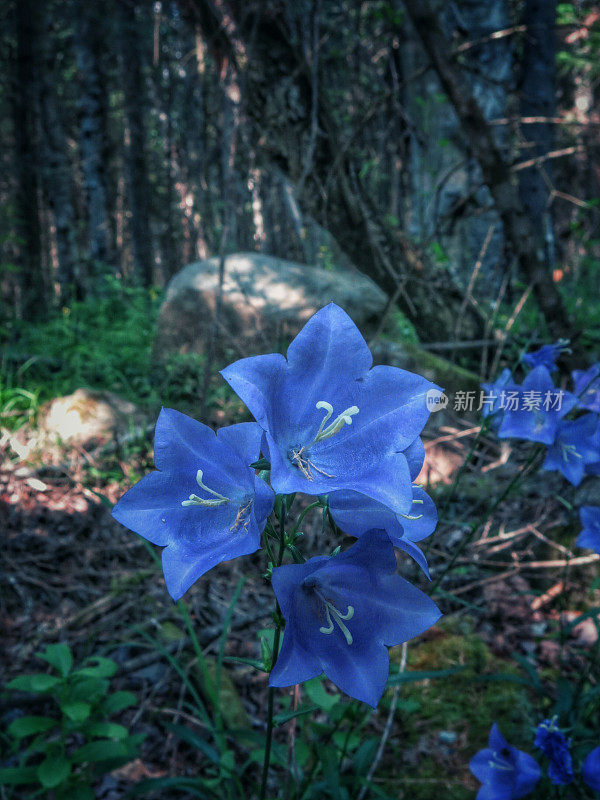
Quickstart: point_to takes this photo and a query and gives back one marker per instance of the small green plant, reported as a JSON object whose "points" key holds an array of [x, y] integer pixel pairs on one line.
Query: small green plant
{"points": [[60, 754]]}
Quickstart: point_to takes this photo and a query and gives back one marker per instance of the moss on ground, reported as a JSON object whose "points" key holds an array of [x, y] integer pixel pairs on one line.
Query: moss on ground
{"points": [[441, 724]]}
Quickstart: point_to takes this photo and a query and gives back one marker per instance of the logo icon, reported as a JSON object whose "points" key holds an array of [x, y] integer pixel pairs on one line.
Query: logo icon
{"points": [[436, 400]]}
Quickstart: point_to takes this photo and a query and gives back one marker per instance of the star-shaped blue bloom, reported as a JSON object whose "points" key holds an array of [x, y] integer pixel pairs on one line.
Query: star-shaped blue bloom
{"points": [[590, 533], [341, 614], [505, 772], [330, 421], [356, 514], [555, 746], [586, 387], [574, 448], [204, 504], [546, 356], [590, 769], [541, 405]]}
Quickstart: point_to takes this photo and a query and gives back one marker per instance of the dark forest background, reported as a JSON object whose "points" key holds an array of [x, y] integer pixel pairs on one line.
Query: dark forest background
{"points": [[416, 138]]}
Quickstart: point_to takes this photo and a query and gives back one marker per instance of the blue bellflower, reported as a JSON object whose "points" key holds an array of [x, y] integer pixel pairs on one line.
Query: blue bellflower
{"points": [[555, 746], [590, 533], [590, 769], [505, 772], [498, 395], [546, 356], [204, 504], [341, 614], [330, 421], [586, 388], [574, 448], [540, 406], [356, 514]]}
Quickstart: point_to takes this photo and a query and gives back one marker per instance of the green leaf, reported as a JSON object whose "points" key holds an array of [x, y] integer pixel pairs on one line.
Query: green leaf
{"points": [[262, 463], [423, 675], [80, 791], [88, 690], [15, 776], [118, 701], [364, 756], [26, 726], [53, 771], [249, 662], [102, 668], [77, 711], [39, 682], [102, 750], [59, 656], [107, 730], [195, 740], [316, 691], [286, 716]]}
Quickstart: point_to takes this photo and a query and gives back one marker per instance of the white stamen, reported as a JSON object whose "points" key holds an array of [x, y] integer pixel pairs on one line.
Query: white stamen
{"points": [[345, 418], [194, 500], [569, 451], [338, 617]]}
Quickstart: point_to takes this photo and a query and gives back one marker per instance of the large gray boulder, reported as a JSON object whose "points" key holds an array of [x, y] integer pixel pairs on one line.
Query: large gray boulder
{"points": [[266, 301]]}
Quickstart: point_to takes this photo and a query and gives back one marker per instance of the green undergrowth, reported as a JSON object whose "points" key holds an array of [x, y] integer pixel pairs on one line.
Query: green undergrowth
{"points": [[441, 724], [102, 343]]}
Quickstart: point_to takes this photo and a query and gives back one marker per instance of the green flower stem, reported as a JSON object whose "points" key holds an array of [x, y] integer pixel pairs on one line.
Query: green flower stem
{"points": [[276, 640], [303, 513]]}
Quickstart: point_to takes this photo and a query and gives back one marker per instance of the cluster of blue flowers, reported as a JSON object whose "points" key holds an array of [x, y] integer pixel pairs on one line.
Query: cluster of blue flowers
{"points": [[328, 424], [536, 410], [507, 773]]}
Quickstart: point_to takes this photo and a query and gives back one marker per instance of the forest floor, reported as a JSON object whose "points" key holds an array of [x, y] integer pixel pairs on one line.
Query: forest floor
{"points": [[73, 574]]}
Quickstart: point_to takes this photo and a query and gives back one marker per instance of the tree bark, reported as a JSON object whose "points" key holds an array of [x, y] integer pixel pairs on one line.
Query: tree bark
{"points": [[520, 233], [278, 85], [25, 107], [137, 168], [93, 135], [57, 174], [538, 99]]}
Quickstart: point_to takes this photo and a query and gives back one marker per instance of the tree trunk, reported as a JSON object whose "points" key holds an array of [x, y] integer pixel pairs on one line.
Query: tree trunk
{"points": [[538, 99], [26, 94], [519, 231], [278, 97], [137, 169], [57, 175], [88, 47]]}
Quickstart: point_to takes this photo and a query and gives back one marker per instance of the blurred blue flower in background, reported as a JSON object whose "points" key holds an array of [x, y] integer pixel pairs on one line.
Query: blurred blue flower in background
{"points": [[555, 746], [590, 534], [204, 504], [505, 772], [590, 769], [574, 448], [586, 387], [331, 421], [341, 614], [499, 393], [546, 356], [540, 407]]}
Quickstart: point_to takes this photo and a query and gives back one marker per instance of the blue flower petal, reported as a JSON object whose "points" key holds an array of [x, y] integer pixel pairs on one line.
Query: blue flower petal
{"points": [[295, 664], [590, 769], [342, 611], [204, 504], [296, 401], [244, 439], [255, 380], [152, 508]]}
